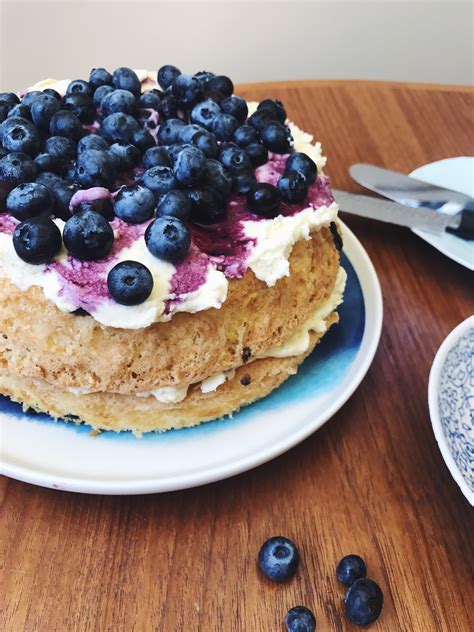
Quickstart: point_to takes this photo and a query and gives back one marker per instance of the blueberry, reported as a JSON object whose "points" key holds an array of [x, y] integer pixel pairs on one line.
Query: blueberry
{"points": [[142, 140], [279, 558], [95, 168], [187, 90], [60, 147], [118, 126], [245, 135], [159, 180], [220, 87], [156, 157], [9, 99], [188, 132], [168, 238], [204, 76], [119, 101], [263, 199], [53, 93], [127, 156], [150, 100], [101, 93], [166, 75], [79, 86], [207, 143], [276, 137], [224, 126], [42, 110], [16, 168], [242, 182], [260, 118], [363, 602], [275, 107], [235, 160], [174, 204], [350, 568], [20, 110], [21, 137], [135, 204], [11, 122], [81, 105], [189, 167], [65, 123], [99, 77], [48, 179], [258, 154], [205, 112], [235, 106], [293, 187], [127, 79], [168, 108], [300, 619], [88, 236], [37, 240], [130, 283], [168, 132], [62, 193], [29, 200], [30, 97], [217, 177], [207, 206], [303, 164], [104, 206], [47, 162], [92, 141]]}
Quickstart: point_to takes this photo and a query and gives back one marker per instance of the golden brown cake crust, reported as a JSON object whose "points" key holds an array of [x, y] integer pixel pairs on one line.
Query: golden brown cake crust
{"points": [[108, 411], [40, 341]]}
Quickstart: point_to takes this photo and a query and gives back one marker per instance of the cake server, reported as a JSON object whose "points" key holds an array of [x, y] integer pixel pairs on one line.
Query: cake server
{"points": [[395, 213], [418, 194]]}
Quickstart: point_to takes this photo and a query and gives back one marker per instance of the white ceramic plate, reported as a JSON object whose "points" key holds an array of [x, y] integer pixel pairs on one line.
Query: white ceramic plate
{"points": [[451, 402], [456, 174], [61, 455]]}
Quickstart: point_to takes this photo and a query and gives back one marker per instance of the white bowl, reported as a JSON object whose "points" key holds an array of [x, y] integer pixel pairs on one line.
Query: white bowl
{"points": [[451, 403]]}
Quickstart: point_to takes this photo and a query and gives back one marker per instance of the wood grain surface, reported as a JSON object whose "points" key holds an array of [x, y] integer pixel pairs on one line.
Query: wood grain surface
{"points": [[372, 481]]}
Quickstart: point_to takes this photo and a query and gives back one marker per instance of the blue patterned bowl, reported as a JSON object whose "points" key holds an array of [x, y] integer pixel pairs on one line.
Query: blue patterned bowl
{"points": [[451, 402]]}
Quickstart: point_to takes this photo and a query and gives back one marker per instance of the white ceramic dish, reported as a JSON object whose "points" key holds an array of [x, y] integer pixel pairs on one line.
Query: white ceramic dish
{"points": [[451, 403], [64, 456], [456, 174]]}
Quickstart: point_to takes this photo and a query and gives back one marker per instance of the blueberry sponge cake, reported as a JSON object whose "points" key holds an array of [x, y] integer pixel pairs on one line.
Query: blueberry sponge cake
{"points": [[168, 251]]}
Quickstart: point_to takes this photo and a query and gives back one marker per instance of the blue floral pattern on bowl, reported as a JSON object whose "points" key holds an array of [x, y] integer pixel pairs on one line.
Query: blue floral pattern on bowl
{"points": [[456, 404]]}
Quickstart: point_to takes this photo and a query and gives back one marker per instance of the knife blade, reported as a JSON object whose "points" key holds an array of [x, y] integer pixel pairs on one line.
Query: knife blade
{"points": [[394, 213], [418, 194]]}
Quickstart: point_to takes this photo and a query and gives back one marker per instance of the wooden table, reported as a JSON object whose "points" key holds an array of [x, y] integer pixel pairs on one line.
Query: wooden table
{"points": [[372, 481]]}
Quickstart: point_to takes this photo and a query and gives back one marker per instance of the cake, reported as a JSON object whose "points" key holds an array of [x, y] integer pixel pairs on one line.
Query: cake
{"points": [[168, 252]]}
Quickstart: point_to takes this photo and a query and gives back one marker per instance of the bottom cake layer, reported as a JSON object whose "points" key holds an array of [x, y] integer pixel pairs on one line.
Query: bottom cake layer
{"points": [[111, 411]]}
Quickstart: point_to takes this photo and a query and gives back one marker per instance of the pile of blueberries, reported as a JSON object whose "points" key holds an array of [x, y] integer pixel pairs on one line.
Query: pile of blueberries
{"points": [[175, 154], [279, 560]]}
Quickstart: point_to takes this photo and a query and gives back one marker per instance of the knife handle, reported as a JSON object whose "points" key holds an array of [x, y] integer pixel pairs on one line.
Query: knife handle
{"points": [[465, 230]]}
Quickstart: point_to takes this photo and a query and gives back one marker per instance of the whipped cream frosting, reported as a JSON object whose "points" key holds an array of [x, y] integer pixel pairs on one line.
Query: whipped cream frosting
{"points": [[201, 281]]}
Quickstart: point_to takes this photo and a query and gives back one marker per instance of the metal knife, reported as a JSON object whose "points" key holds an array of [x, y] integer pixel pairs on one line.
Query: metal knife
{"points": [[394, 213], [418, 194]]}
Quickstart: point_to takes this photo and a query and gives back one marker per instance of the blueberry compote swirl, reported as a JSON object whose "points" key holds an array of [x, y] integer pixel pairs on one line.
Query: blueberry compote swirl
{"points": [[132, 198]]}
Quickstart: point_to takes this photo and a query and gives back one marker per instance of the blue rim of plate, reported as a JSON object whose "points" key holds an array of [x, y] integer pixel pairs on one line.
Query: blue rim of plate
{"points": [[346, 347]]}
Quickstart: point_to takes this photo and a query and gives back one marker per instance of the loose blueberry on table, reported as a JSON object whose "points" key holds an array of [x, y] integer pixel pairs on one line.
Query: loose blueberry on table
{"points": [[300, 619], [173, 159], [351, 568], [363, 601], [279, 559]]}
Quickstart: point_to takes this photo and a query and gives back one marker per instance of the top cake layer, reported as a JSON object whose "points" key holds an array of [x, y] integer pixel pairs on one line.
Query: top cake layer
{"points": [[240, 237]]}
